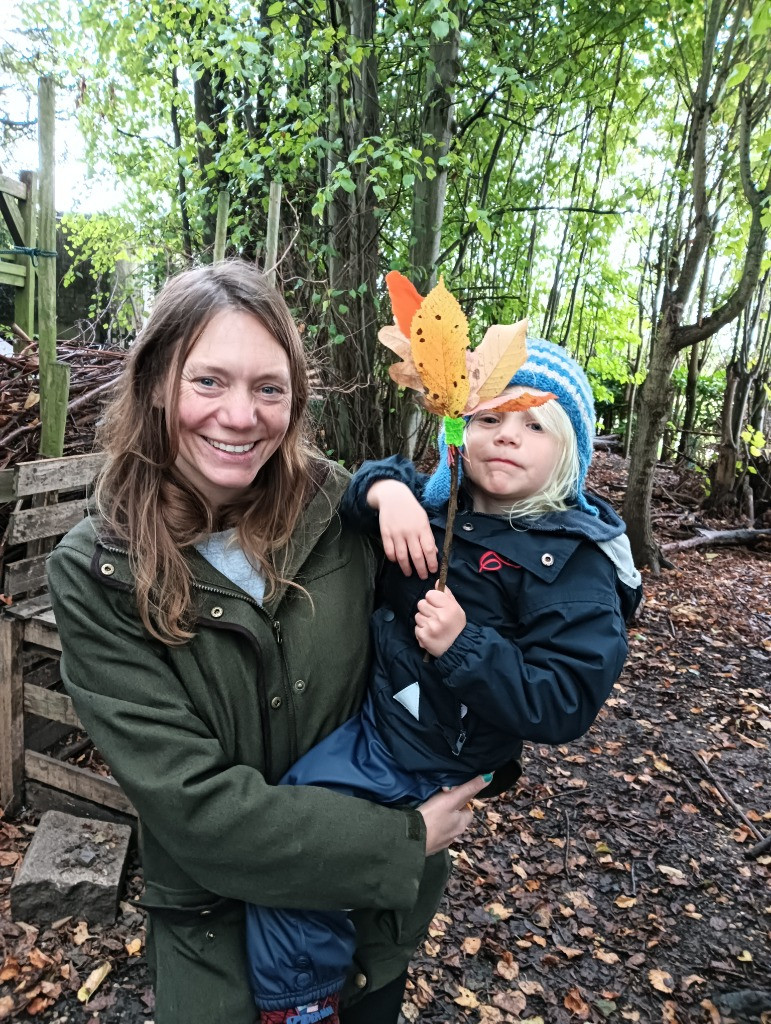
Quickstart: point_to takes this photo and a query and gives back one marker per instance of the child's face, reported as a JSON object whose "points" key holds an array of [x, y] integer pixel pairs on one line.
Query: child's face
{"points": [[508, 456]]}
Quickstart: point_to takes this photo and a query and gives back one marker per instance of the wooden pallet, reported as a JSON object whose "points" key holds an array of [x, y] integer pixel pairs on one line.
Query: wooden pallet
{"points": [[30, 683]]}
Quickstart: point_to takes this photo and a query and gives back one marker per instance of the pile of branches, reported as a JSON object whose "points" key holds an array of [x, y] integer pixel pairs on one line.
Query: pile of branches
{"points": [[92, 373]]}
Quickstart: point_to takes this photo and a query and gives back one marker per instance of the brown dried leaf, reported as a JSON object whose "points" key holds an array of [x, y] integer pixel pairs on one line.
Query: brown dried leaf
{"points": [[606, 956], [466, 998], [495, 360], [498, 910], [507, 968], [571, 952], [574, 1002], [511, 1002], [662, 981]]}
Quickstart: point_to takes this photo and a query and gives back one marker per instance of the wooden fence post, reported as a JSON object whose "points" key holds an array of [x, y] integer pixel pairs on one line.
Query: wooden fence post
{"points": [[54, 377], [11, 715]]}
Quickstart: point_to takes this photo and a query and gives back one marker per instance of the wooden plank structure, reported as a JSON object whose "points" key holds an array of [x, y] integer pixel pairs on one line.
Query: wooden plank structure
{"points": [[18, 207], [30, 683]]}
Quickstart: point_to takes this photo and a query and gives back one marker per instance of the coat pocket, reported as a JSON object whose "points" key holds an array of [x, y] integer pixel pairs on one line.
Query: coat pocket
{"points": [[196, 954]]}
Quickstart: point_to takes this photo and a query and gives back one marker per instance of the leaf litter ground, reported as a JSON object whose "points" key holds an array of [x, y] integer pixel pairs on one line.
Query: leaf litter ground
{"points": [[612, 885]]}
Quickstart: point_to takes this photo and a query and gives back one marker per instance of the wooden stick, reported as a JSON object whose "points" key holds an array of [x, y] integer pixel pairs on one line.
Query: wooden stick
{"points": [[762, 847], [452, 508], [728, 799]]}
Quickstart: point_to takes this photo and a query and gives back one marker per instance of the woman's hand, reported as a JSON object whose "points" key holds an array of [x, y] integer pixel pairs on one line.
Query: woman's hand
{"points": [[404, 528], [448, 814], [438, 621]]}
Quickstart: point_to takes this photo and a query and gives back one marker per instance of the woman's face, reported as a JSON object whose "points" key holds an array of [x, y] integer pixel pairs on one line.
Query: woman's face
{"points": [[233, 407]]}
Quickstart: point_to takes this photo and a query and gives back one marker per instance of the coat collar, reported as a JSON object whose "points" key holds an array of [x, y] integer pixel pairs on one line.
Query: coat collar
{"points": [[111, 562], [542, 546]]}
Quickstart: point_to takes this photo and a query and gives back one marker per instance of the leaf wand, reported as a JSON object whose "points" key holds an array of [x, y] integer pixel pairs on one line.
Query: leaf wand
{"points": [[431, 338]]}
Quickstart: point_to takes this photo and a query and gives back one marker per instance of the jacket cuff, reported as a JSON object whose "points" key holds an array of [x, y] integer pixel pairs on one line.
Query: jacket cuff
{"points": [[466, 642]]}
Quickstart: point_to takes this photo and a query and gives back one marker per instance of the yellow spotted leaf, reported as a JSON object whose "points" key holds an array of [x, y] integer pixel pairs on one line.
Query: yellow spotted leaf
{"points": [[495, 360], [439, 342]]}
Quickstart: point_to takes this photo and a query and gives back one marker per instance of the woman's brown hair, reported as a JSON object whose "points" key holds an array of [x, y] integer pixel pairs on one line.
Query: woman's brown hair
{"points": [[146, 504]]}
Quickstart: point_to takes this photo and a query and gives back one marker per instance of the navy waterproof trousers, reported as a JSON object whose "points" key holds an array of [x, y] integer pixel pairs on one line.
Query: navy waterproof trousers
{"points": [[297, 957]]}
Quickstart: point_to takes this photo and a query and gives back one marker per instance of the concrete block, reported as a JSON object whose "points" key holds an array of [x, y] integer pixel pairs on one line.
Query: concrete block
{"points": [[73, 866]]}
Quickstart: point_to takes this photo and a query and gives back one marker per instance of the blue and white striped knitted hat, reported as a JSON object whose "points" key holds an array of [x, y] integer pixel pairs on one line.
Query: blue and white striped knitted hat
{"points": [[548, 368]]}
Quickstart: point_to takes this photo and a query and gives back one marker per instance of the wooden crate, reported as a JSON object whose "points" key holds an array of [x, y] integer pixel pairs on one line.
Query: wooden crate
{"points": [[30, 684]]}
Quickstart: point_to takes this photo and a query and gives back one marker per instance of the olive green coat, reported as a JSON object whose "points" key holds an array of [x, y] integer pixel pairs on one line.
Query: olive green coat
{"points": [[198, 735]]}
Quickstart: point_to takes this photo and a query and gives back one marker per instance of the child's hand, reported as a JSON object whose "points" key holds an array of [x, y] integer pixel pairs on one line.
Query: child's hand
{"points": [[439, 620], [404, 528]]}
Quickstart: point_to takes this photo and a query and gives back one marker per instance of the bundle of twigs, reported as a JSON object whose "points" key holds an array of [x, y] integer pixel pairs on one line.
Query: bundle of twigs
{"points": [[92, 373]]}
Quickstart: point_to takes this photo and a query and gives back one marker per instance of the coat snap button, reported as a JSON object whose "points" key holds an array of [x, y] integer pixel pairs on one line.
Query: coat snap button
{"points": [[216, 612], [205, 913], [547, 559], [107, 569], [210, 935], [360, 981], [276, 702], [300, 684], [468, 527], [388, 615]]}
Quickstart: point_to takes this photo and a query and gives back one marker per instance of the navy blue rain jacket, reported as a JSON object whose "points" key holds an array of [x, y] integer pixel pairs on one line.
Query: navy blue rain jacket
{"points": [[544, 642]]}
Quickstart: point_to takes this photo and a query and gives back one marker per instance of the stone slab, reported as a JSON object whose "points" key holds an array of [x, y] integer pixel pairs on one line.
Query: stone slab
{"points": [[73, 866]]}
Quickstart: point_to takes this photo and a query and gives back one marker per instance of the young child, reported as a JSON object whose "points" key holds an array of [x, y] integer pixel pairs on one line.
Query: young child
{"points": [[525, 643]]}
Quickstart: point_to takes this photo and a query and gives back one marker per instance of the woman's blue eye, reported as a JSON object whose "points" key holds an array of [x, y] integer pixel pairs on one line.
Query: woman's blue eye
{"points": [[207, 382]]}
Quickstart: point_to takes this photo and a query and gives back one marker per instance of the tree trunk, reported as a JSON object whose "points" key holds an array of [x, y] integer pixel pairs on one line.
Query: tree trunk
{"points": [[655, 399], [354, 419], [689, 241], [685, 447], [429, 195]]}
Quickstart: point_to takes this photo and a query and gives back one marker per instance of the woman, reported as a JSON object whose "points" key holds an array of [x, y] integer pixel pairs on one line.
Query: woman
{"points": [[214, 625]]}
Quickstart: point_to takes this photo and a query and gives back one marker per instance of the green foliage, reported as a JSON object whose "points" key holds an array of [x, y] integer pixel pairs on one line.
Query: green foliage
{"points": [[563, 168]]}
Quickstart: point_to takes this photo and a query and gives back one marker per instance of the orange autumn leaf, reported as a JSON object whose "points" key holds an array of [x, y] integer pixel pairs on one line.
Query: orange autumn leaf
{"points": [[507, 404], [405, 300], [439, 343]]}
